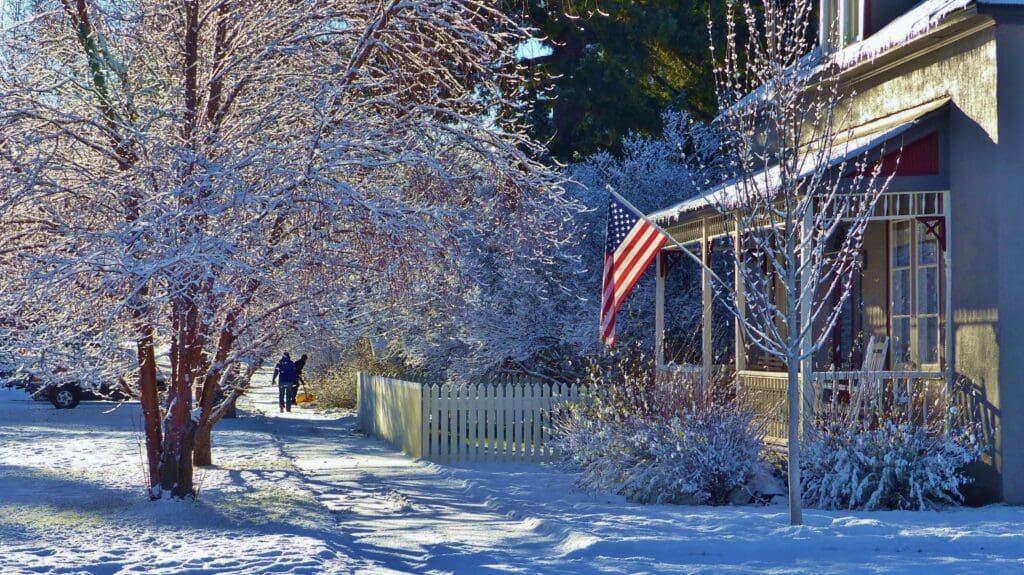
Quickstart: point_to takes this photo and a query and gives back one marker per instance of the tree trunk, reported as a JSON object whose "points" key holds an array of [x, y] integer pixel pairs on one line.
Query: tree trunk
{"points": [[231, 409], [202, 455], [150, 400], [793, 400], [208, 394], [179, 427]]}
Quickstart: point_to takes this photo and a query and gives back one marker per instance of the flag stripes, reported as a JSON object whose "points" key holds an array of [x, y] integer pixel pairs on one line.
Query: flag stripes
{"points": [[632, 244]]}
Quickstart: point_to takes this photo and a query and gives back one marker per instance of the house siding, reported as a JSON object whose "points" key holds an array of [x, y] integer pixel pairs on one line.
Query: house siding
{"points": [[1009, 214]]}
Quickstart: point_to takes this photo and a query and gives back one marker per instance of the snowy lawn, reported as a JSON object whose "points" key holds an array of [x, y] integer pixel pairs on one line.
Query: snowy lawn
{"points": [[305, 493]]}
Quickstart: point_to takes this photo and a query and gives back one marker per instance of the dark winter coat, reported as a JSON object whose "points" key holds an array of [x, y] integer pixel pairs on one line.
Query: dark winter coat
{"points": [[286, 372]]}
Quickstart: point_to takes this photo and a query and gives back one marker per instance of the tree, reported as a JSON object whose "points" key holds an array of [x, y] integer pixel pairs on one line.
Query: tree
{"points": [[801, 194], [199, 177], [539, 323], [616, 65]]}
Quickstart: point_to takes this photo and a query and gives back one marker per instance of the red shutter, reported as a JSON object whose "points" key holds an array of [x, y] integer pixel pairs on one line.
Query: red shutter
{"points": [[867, 19], [920, 158]]}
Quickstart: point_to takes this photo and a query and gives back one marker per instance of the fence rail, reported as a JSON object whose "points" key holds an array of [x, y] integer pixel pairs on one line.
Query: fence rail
{"points": [[509, 421]]}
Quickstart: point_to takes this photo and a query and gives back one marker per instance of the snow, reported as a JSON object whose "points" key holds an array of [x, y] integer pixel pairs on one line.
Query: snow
{"points": [[919, 20], [915, 22], [306, 493]]}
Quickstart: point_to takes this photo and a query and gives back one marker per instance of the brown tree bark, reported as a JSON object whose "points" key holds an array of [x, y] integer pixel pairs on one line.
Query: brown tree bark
{"points": [[150, 400], [203, 455]]}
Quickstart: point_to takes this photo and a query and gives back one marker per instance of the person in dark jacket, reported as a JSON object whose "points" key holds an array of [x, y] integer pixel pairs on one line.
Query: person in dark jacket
{"points": [[299, 365], [286, 377]]}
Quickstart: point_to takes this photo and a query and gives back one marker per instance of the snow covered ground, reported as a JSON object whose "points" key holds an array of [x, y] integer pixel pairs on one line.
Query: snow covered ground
{"points": [[306, 493]]}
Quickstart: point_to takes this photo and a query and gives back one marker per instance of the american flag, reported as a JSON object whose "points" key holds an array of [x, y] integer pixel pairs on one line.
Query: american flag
{"points": [[632, 243]]}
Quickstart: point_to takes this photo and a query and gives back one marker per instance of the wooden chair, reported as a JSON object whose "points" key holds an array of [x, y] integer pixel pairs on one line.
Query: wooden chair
{"points": [[868, 386], [874, 354]]}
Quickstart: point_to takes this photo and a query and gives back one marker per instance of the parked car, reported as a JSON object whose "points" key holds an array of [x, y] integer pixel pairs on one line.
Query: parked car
{"points": [[64, 392]]}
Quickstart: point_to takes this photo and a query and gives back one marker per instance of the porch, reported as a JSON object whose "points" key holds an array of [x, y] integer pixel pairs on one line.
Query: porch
{"points": [[903, 296]]}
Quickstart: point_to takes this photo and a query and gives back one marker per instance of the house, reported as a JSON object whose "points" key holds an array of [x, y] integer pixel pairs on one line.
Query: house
{"points": [[943, 272]]}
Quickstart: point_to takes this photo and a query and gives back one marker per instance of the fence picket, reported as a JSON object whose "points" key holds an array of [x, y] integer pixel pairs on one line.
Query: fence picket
{"points": [[541, 410], [503, 419], [447, 424], [478, 451], [524, 436], [510, 421], [520, 440], [425, 439], [535, 421], [527, 421], [433, 435], [495, 422], [471, 404]]}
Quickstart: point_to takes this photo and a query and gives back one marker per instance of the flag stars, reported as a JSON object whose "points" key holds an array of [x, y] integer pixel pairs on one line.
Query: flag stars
{"points": [[620, 222]]}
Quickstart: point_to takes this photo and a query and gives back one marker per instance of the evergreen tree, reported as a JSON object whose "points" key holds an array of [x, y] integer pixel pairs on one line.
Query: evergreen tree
{"points": [[615, 66]]}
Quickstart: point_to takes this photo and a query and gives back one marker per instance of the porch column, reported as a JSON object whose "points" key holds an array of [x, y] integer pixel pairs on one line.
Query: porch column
{"points": [[807, 403], [659, 311], [741, 304], [950, 332], [707, 359]]}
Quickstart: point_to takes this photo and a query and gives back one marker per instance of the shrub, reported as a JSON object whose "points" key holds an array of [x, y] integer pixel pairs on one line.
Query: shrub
{"points": [[889, 447], [334, 387], [334, 384], [655, 439], [890, 465]]}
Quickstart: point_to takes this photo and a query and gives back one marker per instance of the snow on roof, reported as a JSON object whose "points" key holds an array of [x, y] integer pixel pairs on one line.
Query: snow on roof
{"points": [[922, 18], [860, 140], [919, 20], [915, 22]]}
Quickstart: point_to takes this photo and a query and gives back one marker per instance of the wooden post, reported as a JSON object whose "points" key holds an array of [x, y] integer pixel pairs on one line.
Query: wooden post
{"points": [[707, 359], [741, 304], [950, 332], [659, 311]]}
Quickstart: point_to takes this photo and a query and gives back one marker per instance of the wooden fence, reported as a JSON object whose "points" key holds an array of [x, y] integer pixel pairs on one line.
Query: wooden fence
{"points": [[489, 422]]}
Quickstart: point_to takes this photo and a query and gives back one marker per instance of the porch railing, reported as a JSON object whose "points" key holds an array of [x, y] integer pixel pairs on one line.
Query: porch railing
{"points": [[912, 395]]}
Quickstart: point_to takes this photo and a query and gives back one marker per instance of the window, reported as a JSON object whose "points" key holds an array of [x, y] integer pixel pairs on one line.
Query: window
{"points": [[844, 19], [851, 18], [914, 308]]}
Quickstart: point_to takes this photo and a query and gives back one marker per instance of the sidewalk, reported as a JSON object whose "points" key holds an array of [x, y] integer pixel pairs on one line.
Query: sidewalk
{"points": [[402, 515]]}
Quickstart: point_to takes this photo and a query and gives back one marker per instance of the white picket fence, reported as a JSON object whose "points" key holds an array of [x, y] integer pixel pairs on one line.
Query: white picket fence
{"points": [[504, 422], [488, 422]]}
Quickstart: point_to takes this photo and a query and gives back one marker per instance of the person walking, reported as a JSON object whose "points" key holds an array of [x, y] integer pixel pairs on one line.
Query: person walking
{"points": [[299, 365], [286, 377]]}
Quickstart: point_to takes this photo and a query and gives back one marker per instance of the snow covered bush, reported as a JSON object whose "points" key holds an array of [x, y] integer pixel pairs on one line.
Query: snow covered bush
{"points": [[659, 439], [892, 464]]}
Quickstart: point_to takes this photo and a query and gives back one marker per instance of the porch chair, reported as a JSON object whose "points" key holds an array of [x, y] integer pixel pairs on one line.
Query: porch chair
{"points": [[868, 389]]}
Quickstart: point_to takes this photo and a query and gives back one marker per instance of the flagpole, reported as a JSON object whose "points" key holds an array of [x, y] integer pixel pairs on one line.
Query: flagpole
{"points": [[692, 256]]}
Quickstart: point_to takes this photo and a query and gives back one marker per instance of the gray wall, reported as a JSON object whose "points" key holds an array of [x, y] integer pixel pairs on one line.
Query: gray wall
{"points": [[1009, 232]]}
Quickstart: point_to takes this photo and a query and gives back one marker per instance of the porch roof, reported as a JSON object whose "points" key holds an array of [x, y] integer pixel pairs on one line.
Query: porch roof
{"points": [[857, 142]]}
